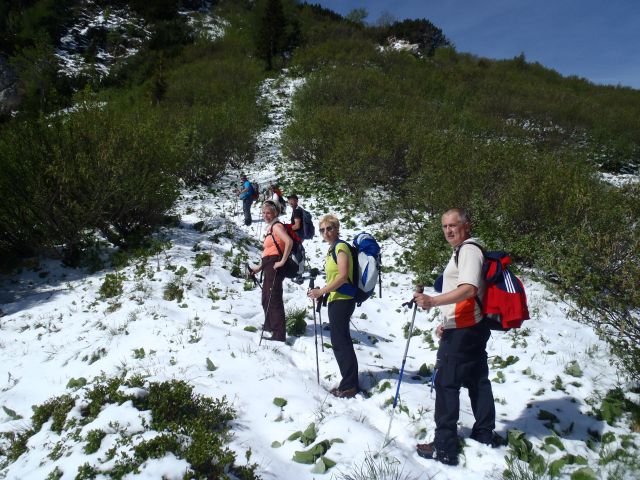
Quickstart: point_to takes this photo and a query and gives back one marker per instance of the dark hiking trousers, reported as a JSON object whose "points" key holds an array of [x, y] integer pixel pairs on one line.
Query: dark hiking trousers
{"points": [[340, 312], [462, 359], [274, 308], [246, 208]]}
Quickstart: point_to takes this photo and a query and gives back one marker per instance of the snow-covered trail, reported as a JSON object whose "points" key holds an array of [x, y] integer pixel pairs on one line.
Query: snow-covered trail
{"points": [[57, 327]]}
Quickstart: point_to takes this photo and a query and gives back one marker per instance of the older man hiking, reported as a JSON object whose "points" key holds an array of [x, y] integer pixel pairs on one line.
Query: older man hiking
{"points": [[462, 356]]}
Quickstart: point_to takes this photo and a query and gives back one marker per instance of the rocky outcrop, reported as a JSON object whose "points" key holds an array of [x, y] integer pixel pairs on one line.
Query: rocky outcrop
{"points": [[9, 94]]}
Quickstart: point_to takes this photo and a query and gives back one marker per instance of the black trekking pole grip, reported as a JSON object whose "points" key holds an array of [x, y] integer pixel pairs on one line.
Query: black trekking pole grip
{"points": [[253, 275], [410, 303]]}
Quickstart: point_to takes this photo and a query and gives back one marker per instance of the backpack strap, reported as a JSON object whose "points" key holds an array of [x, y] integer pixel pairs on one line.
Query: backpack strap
{"points": [[274, 238], [333, 249], [457, 250], [457, 253], [348, 288]]}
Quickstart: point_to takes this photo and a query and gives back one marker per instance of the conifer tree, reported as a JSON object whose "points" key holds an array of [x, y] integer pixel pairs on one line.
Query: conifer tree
{"points": [[270, 32]]}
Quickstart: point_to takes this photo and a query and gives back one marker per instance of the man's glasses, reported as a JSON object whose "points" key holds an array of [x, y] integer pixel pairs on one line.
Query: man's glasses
{"points": [[329, 228]]}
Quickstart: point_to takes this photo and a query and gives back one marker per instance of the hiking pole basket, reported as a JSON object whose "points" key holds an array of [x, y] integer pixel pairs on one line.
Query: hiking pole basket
{"points": [[419, 289], [315, 328]]}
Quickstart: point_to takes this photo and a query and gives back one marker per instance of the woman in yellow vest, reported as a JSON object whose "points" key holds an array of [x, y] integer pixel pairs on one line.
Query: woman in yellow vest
{"points": [[341, 291]]}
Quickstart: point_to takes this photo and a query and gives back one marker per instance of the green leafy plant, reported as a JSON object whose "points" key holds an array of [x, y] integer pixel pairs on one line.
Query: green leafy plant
{"points": [[173, 290], [279, 402], [210, 366], [573, 369], [111, 286], [295, 321], [94, 439]]}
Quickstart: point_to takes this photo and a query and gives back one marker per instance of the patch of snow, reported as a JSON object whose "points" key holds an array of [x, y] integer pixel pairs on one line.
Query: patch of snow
{"points": [[127, 30], [399, 44], [620, 179]]}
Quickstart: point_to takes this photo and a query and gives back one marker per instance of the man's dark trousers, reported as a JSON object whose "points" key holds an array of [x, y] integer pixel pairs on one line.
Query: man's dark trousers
{"points": [[246, 208], [462, 359]]}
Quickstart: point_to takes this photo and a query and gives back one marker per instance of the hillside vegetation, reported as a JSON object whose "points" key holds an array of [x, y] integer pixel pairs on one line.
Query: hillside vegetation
{"points": [[517, 143], [172, 115]]}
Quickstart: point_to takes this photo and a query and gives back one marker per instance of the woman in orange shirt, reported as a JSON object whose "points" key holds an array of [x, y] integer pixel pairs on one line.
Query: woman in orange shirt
{"points": [[276, 240]]}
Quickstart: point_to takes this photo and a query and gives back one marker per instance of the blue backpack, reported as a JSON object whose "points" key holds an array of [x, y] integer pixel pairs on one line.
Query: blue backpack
{"points": [[365, 252]]}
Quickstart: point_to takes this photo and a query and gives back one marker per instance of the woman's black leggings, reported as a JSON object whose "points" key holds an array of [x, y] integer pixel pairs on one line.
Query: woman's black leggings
{"points": [[340, 312]]}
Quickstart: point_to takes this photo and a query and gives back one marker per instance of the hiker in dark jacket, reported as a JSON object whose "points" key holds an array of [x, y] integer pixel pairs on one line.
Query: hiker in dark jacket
{"points": [[296, 215], [340, 305], [276, 240], [246, 195], [462, 356]]}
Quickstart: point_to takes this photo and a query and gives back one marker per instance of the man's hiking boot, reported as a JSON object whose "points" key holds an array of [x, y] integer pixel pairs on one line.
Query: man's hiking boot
{"points": [[348, 393], [428, 451], [495, 441]]}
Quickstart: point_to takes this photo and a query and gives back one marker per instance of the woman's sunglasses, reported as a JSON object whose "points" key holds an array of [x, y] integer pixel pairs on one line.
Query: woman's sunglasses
{"points": [[329, 228]]}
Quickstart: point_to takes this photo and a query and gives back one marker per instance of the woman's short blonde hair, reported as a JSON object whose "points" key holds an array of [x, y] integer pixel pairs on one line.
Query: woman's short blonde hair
{"points": [[330, 220], [273, 206]]}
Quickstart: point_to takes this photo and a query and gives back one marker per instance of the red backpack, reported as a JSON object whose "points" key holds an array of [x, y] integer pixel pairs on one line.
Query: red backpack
{"points": [[294, 267], [505, 302]]}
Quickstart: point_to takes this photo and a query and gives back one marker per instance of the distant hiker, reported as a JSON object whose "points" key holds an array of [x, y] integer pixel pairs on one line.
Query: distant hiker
{"points": [[246, 195], [462, 356], [296, 215], [276, 196], [272, 261], [340, 306], [296, 221], [301, 220]]}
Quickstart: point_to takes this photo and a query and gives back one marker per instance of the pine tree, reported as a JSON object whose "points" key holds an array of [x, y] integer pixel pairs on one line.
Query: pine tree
{"points": [[270, 32]]}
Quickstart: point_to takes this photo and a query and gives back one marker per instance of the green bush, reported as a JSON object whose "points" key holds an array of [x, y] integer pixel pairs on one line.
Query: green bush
{"points": [[116, 167], [94, 439], [295, 321], [55, 409], [441, 132], [103, 169], [173, 290], [112, 286], [190, 426], [202, 260]]}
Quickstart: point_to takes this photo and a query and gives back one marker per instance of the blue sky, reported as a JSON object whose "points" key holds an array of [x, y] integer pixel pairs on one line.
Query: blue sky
{"points": [[595, 39]]}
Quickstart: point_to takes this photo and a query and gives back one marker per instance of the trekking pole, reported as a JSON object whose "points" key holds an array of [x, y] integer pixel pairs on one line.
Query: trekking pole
{"points": [[319, 309], [353, 324], [253, 276], [380, 274], [419, 289], [261, 221], [266, 312], [315, 328]]}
